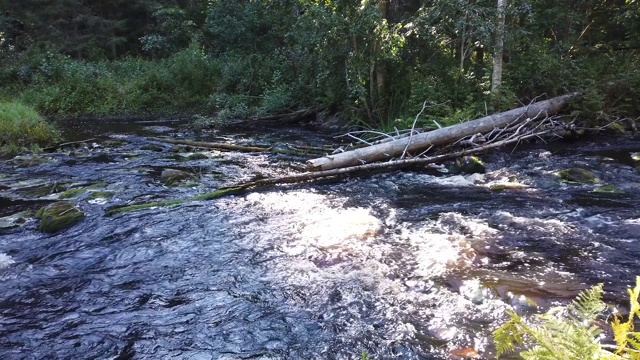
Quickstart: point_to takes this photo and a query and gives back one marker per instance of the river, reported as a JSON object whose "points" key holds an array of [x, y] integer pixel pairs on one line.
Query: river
{"points": [[408, 264]]}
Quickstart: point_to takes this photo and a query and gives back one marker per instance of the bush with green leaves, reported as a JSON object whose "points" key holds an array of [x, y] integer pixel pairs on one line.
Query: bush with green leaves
{"points": [[22, 128], [60, 85], [572, 332]]}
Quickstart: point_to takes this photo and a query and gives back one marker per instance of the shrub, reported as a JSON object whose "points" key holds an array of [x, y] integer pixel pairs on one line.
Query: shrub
{"points": [[21, 127]]}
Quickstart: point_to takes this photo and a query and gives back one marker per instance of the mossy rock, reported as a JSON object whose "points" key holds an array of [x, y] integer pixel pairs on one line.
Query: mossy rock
{"points": [[113, 143], [507, 186], [173, 176], [151, 147], [44, 190], [72, 193], [14, 221], [606, 189], [58, 216], [180, 149], [198, 156], [101, 195], [578, 175], [468, 165]]}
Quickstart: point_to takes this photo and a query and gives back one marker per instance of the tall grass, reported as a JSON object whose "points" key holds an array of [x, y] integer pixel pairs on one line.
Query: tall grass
{"points": [[22, 128], [58, 85]]}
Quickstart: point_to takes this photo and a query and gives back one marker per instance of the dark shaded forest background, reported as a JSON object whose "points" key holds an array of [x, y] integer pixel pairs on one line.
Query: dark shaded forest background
{"points": [[372, 63]]}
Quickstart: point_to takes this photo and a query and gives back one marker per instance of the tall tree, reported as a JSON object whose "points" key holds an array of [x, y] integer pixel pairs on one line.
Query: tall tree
{"points": [[496, 77]]}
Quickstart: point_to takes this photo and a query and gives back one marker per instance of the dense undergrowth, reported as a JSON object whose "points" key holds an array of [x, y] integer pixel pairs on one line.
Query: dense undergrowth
{"points": [[371, 63]]}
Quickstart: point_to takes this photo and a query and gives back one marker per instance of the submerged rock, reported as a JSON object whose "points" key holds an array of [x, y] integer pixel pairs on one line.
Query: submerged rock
{"points": [[198, 156], [58, 216], [606, 189], [578, 175], [468, 165], [13, 221], [173, 176]]}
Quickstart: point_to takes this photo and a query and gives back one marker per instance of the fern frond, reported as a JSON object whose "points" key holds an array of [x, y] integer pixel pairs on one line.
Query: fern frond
{"points": [[508, 335], [586, 308], [628, 341]]}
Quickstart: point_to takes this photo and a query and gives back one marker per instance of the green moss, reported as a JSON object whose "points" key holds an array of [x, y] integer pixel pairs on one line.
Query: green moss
{"points": [[467, 165], [137, 207], [219, 193], [58, 216], [606, 188], [72, 193], [44, 190], [101, 195], [578, 175], [208, 196]]}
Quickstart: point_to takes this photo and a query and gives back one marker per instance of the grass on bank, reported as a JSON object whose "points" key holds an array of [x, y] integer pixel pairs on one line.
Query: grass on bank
{"points": [[22, 129]]}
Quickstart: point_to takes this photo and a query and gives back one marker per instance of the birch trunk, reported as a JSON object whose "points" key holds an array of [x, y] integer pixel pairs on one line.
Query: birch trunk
{"points": [[419, 142], [496, 77]]}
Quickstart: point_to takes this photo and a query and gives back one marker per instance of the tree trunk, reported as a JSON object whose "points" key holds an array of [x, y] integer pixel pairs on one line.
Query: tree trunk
{"points": [[422, 141], [496, 78]]}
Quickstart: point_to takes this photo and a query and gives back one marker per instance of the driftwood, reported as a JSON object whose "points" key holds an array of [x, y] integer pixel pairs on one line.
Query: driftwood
{"points": [[415, 143], [61, 145], [387, 166], [287, 118], [210, 145]]}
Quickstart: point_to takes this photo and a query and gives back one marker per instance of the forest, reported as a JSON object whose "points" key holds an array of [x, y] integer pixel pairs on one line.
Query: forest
{"points": [[371, 63]]}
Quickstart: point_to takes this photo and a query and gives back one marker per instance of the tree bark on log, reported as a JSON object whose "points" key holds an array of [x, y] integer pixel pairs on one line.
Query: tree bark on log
{"points": [[422, 141]]}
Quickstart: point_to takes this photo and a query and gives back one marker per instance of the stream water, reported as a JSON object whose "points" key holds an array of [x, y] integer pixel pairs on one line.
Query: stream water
{"points": [[407, 265]]}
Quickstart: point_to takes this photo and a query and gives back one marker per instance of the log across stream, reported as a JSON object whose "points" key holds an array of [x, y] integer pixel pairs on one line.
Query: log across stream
{"points": [[401, 264]]}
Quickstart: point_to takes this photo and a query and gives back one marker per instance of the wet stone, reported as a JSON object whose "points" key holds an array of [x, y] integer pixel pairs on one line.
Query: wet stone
{"points": [[578, 175], [173, 176], [13, 221], [58, 216], [468, 165]]}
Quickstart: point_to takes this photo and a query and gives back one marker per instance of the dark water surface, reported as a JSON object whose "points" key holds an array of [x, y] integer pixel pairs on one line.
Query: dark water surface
{"points": [[407, 265]]}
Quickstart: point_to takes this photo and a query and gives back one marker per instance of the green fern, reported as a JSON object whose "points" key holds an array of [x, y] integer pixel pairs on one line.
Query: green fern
{"points": [[570, 332], [561, 333], [627, 340]]}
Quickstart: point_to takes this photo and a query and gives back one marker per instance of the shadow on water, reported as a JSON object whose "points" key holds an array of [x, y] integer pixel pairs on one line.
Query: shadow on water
{"points": [[404, 265]]}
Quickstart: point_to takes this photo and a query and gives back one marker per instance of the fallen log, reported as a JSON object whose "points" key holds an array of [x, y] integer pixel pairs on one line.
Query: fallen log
{"points": [[422, 141], [387, 166], [61, 145]]}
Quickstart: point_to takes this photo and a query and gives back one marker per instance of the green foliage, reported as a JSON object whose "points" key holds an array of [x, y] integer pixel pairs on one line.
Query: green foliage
{"points": [[559, 334], [21, 127], [373, 62], [626, 339], [571, 332], [182, 83]]}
